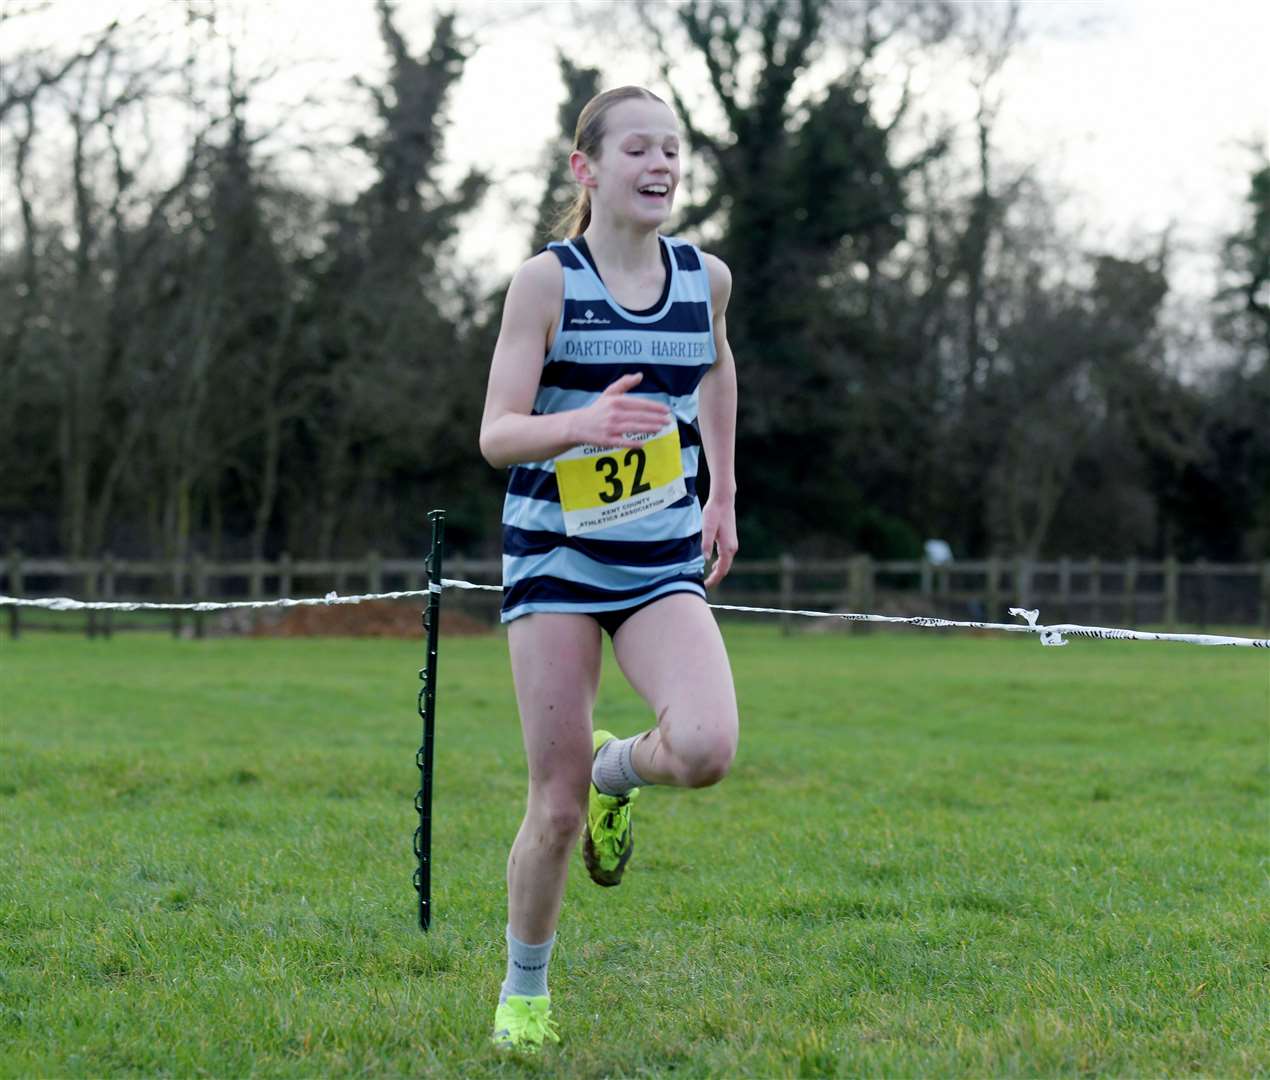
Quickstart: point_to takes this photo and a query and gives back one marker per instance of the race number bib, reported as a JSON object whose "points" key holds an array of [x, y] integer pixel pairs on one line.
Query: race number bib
{"points": [[601, 486]]}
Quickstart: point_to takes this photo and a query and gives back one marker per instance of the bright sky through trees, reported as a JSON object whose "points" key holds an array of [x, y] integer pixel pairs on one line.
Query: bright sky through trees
{"points": [[1139, 111]]}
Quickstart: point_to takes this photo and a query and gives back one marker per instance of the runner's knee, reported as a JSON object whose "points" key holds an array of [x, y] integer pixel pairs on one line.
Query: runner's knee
{"points": [[557, 820], [702, 762]]}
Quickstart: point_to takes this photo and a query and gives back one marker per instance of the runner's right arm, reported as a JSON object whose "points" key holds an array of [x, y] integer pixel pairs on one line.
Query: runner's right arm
{"points": [[509, 433]]}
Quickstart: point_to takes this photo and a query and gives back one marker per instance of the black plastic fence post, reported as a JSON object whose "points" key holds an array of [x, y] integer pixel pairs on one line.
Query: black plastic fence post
{"points": [[427, 712]]}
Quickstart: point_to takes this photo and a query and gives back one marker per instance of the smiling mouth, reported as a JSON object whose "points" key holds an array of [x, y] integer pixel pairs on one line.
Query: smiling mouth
{"points": [[655, 191]]}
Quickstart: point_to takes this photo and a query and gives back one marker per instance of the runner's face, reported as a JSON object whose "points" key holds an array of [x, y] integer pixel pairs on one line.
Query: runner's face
{"points": [[638, 171]]}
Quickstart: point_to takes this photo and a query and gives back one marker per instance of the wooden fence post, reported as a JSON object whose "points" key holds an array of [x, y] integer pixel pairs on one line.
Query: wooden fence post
{"points": [[993, 600], [853, 586], [1170, 593], [1065, 587], [284, 575], [1023, 581], [374, 573], [15, 589], [88, 589], [107, 591], [198, 576], [860, 587], [1129, 605], [458, 567], [1265, 594], [787, 568], [1095, 590], [1264, 606], [178, 594], [1201, 568]]}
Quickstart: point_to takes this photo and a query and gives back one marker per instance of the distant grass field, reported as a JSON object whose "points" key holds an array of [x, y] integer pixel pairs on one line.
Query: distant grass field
{"points": [[935, 856]]}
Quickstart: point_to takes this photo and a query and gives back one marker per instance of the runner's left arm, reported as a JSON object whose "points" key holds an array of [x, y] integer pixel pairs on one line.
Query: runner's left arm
{"points": [[717, 413]]}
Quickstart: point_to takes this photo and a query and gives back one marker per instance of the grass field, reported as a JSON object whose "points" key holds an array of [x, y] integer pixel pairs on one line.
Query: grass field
{"points": [[935, 856]]}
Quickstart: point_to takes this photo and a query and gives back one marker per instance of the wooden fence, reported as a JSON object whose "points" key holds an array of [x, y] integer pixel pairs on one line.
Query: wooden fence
{"points": [[1127, 593]]}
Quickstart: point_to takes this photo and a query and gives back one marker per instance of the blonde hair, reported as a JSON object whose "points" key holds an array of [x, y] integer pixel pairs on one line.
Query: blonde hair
{"points": [[587, 138]]}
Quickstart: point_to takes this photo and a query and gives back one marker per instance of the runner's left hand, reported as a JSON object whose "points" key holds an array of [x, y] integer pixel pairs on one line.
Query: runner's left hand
{"points": [[718, 538]]}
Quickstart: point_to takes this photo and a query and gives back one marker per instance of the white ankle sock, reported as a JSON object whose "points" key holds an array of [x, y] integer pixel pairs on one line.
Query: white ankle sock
{"points": [[526, 968], [613, 771]]}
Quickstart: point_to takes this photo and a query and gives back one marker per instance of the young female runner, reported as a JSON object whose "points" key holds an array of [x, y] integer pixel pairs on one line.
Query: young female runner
{"points": [[612, 373]]}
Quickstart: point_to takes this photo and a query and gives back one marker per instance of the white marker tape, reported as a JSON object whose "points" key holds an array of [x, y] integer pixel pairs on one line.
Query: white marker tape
{"points": [[1049, 635]]}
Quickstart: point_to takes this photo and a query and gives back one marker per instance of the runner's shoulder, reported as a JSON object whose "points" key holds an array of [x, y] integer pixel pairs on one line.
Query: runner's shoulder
{"points": [[538, 285], [720, 280], [541, 272]]}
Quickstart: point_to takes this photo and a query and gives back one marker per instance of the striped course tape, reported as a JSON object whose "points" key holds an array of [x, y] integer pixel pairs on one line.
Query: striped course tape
{"points": [[1049, 635]]}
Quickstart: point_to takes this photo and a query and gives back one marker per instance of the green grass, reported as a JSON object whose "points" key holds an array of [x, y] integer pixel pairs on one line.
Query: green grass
{"points": [[935, 856]]}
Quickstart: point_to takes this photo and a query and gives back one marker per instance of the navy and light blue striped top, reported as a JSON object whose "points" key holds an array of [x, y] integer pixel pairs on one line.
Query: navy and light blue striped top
{"points": [[597, 341]]}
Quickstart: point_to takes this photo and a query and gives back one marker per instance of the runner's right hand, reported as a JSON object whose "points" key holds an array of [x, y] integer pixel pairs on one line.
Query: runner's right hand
{"points": [[617, 414]]}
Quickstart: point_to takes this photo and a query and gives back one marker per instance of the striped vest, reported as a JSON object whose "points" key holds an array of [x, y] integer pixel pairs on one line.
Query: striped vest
{"points": [[597, 341]]}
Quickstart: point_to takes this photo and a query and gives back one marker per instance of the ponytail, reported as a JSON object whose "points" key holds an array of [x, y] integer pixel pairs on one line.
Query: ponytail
{"points": [[575, 217]]}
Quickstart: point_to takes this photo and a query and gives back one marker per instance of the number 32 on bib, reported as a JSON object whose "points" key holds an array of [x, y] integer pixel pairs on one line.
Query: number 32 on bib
{"points": [[602, 486]]}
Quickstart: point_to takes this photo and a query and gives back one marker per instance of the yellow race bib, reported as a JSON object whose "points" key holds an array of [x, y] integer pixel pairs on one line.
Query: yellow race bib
{"points": [[602, 486]]}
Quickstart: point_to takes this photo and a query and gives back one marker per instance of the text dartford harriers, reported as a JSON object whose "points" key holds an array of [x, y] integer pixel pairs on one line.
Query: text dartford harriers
{"points": [[656, 349]]}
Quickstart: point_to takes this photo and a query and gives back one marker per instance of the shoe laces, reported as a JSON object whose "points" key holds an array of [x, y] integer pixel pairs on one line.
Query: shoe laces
{"points": [[612, 823], [529, 1020]]}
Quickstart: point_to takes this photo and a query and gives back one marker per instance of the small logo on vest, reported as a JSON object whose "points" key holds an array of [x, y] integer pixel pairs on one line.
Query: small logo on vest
{"points": [[590, 319]]}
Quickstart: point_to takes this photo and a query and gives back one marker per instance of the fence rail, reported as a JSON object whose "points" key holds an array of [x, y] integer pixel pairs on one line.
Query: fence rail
{"points": [[1164, 592]]}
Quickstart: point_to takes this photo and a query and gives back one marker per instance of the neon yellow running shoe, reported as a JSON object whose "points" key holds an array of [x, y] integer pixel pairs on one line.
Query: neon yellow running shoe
{"points": [[524, 1023], [609, 839]]}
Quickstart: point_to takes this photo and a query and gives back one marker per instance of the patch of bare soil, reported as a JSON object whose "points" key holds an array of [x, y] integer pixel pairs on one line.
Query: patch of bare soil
{"points": [[371, 618]]}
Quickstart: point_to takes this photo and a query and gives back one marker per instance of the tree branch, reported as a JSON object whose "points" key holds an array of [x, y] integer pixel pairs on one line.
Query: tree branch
{"points": [[52, 78]]}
